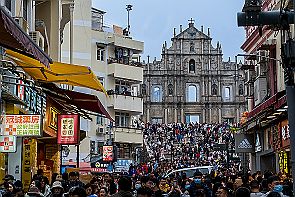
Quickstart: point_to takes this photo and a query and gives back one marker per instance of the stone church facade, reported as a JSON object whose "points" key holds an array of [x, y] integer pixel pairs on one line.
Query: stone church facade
{"points": [[191, 83]]}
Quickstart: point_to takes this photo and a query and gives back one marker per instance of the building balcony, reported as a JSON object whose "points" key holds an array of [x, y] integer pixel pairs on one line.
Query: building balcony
{"points": [[128, 135], [125, 70], [126, 103]]}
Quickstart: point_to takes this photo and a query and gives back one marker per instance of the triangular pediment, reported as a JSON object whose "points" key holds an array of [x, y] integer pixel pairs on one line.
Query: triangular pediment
{"points": [[192, 32]]}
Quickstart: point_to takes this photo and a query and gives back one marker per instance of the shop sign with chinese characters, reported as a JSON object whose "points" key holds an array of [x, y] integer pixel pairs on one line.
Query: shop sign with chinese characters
{"points": [[283, 162], [68, 129], [22, 125], [107, 154], [7, 144]]}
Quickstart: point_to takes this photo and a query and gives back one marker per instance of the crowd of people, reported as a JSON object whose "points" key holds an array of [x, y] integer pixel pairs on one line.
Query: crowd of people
{"points": [[149, 183], [172, 146], [189, 145]]}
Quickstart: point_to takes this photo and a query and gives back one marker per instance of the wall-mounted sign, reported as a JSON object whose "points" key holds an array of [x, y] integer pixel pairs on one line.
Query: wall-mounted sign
{"points": [[35, 102], [107, 154], [53, 113], [258, 146], [68, 129], [7, 144], [244, 143], [22, 125], [285, 132]]}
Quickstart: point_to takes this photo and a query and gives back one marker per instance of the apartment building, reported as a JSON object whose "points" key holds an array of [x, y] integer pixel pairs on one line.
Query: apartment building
{"points": [[53, 32], [114, 58]]}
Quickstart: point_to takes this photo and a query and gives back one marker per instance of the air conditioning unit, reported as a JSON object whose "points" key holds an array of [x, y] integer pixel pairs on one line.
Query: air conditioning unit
{"points": [[99, 131], [22, 23], [260, 90], [262, 61], [37, 38]]}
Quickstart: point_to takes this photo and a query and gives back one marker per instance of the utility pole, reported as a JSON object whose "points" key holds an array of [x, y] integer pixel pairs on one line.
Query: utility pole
{"points": [[110, 134], [253, 16], [72, 5]]}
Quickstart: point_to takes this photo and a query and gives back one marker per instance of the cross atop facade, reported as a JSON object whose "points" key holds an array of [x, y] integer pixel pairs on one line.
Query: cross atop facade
{"points": [[191, 20]]}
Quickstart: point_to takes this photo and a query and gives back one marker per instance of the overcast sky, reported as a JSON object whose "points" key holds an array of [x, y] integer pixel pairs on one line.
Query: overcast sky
{"points": [[152, 21]]}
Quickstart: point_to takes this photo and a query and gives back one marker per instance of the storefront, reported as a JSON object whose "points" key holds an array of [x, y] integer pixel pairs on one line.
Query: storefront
{"points": [[48, 149], [268, 123], [41, 150]]}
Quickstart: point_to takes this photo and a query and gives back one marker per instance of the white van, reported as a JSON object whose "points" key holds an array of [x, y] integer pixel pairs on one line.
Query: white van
{"points": [[190, 171]]}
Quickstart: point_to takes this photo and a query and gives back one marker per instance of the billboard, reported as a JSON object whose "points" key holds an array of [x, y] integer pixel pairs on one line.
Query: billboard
{"points": [[68, 129], [107, 154], [22, 125], [244, 143], [7, 144]]}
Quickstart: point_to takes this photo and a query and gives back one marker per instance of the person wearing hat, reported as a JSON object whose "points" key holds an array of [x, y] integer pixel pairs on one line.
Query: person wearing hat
{"points": [[57, 189], [34, 192]]}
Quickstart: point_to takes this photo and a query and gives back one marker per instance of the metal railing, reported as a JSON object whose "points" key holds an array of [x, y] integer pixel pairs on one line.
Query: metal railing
{"points": [[125, 61]]}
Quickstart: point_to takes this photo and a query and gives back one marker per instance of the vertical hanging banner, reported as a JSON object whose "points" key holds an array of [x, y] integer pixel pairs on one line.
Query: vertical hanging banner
{"points": [[28, 161], [68, 129], [284, 162], [8, 144], [21, 90], [107, 154]]}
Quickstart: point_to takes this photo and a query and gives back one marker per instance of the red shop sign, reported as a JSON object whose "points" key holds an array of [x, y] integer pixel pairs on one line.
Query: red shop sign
{"points": [[68, 129]]}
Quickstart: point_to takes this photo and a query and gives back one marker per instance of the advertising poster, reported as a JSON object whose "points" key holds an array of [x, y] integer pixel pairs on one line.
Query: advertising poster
{"points": [[107, 154]]}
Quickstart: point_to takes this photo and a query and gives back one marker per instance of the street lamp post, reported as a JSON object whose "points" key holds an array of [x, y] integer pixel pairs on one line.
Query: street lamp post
{"points": [[128, 8]]}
